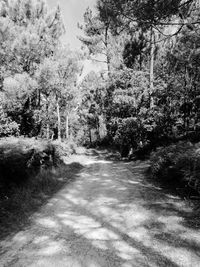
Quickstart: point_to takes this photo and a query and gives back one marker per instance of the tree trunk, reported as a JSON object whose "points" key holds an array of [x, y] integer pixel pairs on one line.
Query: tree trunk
{"points": [[48, 130], [48, 124], [98, 130], [90, 135], [67, 126], [59, 120], [107, 52], [151, 71], [38, 98], [140, 61]]}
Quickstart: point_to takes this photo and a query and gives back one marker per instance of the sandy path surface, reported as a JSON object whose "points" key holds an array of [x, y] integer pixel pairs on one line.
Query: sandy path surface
{"points": [[109, 216]]}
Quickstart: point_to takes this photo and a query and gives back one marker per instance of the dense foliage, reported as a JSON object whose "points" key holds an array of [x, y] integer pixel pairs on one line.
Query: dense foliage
{"points": [[150, 91], [37, 74], [178, 165], [146, 94]]}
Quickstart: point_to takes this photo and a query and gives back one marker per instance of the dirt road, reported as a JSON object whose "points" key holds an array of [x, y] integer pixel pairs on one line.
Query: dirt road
{"points": [[109, 216]]}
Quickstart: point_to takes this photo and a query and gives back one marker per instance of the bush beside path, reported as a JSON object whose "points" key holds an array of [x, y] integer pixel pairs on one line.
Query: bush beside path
{"points": [[31, 172]]}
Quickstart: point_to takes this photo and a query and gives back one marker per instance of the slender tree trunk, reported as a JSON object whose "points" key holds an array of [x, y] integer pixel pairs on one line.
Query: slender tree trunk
{"points": [[48, 130], [107, 52], [98, 130], [48, 124], [67, 125], [186, 109], [140, 61], [90, 135], [108, 64], [196, 117], [59, 120], [38, 98], [151, 72]]}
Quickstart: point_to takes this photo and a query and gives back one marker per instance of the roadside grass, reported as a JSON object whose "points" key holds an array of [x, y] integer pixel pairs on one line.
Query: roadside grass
{"points": [[34, 185]]}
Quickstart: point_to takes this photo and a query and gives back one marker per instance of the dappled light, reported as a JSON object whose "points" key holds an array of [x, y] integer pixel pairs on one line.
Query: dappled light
{"points": [[110, 216], [100, 141]]}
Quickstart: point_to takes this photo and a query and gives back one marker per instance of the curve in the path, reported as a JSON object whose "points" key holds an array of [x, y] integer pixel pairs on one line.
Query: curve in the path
{"points": [[109, 217]]}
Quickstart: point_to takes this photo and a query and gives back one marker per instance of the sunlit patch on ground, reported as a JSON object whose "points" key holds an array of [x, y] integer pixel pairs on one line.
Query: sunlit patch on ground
{"points": [[47, 222], [192, 236], [40, 239], [109, 217], [51, 248]]}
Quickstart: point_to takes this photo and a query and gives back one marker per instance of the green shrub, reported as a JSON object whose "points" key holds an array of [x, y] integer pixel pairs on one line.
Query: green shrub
{"points": [[178, 164], [64, 149], [22, 158], [8, 128], [127, 135]]}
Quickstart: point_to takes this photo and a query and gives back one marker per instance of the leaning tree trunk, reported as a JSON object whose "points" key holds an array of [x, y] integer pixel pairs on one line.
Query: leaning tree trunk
{"points": [[59, 120], [151, 71]]}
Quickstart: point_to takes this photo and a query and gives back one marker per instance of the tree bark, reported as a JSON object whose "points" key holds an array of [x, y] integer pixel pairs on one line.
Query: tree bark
{"points": [[151, 71], [90, 135], [48, 130], [107, 52], [98, 130], [140, 61], [67, 126], [48, 124], [59, 120]]}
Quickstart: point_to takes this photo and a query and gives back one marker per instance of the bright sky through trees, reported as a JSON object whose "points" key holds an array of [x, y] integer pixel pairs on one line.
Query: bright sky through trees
{"points": [[72, 11]]}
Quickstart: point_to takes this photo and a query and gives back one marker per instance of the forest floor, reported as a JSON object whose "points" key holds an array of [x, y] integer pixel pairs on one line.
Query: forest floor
{"points": [[109, 215]]}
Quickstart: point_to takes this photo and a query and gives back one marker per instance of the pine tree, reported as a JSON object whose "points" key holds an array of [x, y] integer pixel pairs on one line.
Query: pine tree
{"points": [[152, 16], [30, 34]]}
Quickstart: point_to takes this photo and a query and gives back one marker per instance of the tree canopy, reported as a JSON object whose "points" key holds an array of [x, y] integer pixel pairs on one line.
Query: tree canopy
{"points": [[147, 95]]}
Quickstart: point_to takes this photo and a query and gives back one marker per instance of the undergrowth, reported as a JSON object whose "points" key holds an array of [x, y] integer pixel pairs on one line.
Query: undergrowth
{"points": [[24, 188], [179, 166]]}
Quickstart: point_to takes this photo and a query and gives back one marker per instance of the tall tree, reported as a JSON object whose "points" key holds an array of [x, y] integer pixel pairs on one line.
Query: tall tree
{"points": [[57, 78], [30, 33], [91, 110], [67, 94], [99, 40], [151, 15]]}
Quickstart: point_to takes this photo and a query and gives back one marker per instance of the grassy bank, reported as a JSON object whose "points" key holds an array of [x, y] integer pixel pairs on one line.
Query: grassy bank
{"points": [[31, 172]]}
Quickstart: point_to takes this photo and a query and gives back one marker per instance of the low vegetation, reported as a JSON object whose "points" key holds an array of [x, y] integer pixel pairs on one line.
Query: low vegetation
{"points": [[178, 165], [31, 171]]}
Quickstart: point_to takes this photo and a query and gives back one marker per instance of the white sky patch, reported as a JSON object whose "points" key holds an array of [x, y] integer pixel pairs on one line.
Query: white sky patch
{"points": [[90, 65], [72, 11]]}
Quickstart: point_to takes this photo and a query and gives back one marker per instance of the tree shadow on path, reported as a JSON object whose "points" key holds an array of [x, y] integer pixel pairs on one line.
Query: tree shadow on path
{"points": [[24, 200], [111, 216]]}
